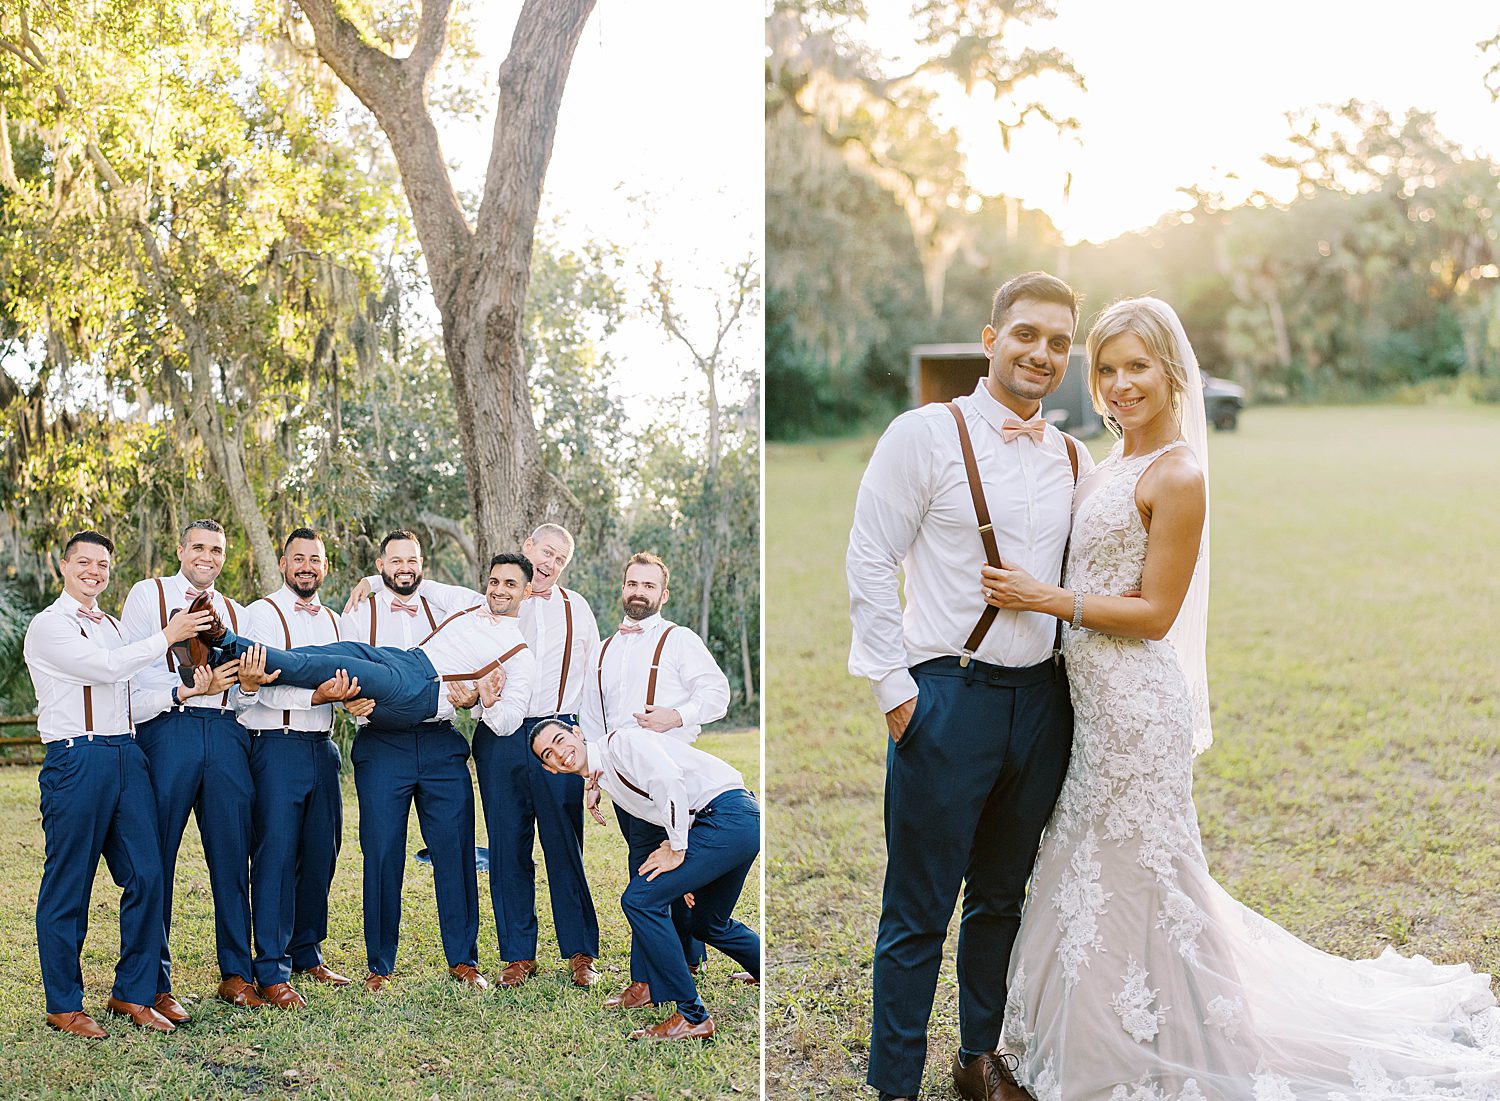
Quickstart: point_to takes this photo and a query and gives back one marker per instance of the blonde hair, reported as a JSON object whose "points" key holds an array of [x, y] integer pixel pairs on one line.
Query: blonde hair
{"points": [[1136, 316]]}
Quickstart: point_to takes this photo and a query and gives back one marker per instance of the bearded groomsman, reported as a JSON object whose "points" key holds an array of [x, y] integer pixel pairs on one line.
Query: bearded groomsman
{"points": [[298, 814], [521, 798], [426, 763], [96, 796], [200, 761], [651, 675]]}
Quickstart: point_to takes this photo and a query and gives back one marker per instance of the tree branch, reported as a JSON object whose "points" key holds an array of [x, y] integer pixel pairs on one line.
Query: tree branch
{"points": [[432, 36], [395, 91], [455, 531]]}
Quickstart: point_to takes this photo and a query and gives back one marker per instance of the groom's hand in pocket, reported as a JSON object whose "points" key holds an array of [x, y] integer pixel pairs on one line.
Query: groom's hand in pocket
{"points": [[897, 718]]}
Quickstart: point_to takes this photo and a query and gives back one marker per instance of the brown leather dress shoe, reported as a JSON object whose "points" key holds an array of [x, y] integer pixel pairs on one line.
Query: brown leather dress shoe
{"points": [[469, 975], [374, 983], [744, 978], [324, 974], [142, 1016], [989, 1077], [282, 996], [635, 996], [582, 966], [76, 1023], [170, 1008], [236, 991], [516, 972], [676, 1027]]}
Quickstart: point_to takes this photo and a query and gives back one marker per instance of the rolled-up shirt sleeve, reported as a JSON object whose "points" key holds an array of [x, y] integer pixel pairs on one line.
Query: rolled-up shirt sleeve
{"points": [[893, 499]]}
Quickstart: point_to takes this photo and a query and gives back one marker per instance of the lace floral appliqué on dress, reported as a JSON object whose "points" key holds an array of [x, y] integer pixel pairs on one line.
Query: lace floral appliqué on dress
{"points": [[1135, 977]]}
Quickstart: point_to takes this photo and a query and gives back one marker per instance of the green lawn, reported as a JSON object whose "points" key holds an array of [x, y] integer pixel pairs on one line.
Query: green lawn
{"points": [[1354, 662], [427, 1037]]}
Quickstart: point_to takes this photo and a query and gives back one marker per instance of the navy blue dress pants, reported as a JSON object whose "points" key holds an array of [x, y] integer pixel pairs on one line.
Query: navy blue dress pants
{"points": [[200, 765], [96, 800], [721, 846], [641, 838], [298, 826], [522, 799], [427, 764], [967, 793], [402, 683]]}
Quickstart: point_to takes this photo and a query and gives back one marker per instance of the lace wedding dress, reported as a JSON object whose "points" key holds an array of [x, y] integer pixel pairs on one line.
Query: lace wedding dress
{"points": [[1135, 976]]}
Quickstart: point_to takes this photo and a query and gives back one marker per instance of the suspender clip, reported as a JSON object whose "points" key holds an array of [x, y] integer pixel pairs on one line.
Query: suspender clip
{"points": [[986, 527], [963, 662]]}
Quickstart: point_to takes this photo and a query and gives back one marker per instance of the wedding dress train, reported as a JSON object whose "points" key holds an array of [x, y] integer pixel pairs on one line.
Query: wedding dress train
{"points": [[1135, 976]]}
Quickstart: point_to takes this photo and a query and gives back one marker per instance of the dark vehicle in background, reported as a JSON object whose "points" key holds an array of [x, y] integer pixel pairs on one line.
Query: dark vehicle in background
{"points": [[1222, 402]]}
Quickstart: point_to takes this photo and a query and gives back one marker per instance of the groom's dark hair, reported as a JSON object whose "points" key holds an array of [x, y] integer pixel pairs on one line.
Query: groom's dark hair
{"points": [[1037, 285]]}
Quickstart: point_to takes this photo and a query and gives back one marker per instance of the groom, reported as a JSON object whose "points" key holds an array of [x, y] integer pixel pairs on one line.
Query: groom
{"points": [[977, 709]]}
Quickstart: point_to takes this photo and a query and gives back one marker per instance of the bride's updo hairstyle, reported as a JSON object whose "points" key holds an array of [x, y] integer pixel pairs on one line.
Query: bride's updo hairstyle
{"points": [[1137, 316]]}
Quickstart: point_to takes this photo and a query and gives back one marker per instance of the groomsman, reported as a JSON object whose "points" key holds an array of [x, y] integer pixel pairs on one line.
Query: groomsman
{"points": [[711, 834], [96, 794], [298, 815], [425, 762], [658, 676], [520, 797], [200, 762]]}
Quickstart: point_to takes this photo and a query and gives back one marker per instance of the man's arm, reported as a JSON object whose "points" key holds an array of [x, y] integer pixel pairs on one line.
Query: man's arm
{"points": [[591, 707], [642, 758], [445, 599], [507, 713], [707, 686], [55, 647], [894, 496]]}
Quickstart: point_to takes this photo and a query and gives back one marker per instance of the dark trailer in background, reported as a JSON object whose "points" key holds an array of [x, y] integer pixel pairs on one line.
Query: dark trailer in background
{"points": [[941, 372]]}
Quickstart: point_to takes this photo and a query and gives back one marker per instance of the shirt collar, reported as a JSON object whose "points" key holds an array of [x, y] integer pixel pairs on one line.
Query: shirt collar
{"points": [[186, 584], [647, 625], [286, 593], [995, 413], [68, 606]]}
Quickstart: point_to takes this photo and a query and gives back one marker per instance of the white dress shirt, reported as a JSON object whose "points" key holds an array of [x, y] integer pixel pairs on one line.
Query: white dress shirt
{"points": [[468, 642], [281, 705], [65, 651], [151, 691], [660, 779], [689, 681], [915, 511], [433, 601], [544, 623]]}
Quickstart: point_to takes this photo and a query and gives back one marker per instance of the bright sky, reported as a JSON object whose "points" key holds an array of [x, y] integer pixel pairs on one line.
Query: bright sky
{"points": [[1183, 92], [664, 103]]}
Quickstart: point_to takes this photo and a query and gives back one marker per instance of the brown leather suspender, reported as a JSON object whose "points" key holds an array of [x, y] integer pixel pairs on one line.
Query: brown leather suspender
{"points": [[286, 629], [987, 529], [427, 610], [562, 678], [88, 689], [488, 669], [626, 780], [372, 621], [604, 718], [655, 664]]}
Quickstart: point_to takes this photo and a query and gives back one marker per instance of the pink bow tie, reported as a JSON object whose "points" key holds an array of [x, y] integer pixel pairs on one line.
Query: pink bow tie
{"points": [[308, 606], [91, 615], [632, 629], [1013, 428], [192, 595], [546, 594], [487, 615], [398, 606]]}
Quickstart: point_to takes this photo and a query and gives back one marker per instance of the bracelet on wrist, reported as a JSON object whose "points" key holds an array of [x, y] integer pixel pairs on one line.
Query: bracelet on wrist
{"points": [[1077, 609]]}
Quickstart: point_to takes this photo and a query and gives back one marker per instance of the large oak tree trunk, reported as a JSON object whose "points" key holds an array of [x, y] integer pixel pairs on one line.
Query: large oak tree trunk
{"points": [[479, 274]]}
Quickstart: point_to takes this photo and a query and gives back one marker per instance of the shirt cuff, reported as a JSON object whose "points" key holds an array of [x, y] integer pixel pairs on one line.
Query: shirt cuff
{"points": [[689, 713], [893, 689]]}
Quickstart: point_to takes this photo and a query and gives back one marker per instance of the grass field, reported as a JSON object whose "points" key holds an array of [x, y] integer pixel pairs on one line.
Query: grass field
{"points": [[1354, 663], [427, 1037]]}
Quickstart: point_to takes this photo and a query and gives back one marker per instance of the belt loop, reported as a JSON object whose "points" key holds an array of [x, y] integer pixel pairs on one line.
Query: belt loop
{"points": [[968, 668]]}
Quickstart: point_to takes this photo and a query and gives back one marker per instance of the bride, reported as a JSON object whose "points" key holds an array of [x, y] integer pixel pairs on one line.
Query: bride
{"points": [[1135, 976]]}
